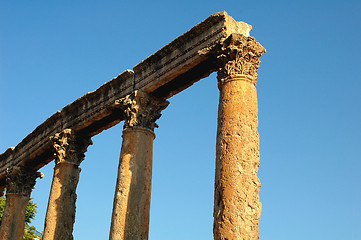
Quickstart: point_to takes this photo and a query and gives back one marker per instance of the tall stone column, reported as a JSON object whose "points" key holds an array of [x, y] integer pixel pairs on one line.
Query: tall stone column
{"points": [[69, 150], [130, 218], [20, 182], [237, 207]]}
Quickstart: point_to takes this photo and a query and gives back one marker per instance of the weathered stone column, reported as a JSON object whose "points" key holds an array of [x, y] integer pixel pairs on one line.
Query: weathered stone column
{"points": [[20, 182], [130, 218], [237, 208], [69, 150]]}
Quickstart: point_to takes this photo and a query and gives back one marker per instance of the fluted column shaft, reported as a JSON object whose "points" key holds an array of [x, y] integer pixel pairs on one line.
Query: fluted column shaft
{"points": [[69, 150], [237, 207], [130, 218], [20, 182]]}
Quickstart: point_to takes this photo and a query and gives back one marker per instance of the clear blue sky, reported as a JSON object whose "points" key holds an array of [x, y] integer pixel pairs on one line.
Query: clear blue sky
{"points": [[309, 109]]}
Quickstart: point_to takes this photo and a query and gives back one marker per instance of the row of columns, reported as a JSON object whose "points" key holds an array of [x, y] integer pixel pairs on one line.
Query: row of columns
{"points": [[237, 207]]}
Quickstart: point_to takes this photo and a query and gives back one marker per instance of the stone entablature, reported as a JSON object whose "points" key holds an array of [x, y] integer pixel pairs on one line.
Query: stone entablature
{"points": [[176, 66]]}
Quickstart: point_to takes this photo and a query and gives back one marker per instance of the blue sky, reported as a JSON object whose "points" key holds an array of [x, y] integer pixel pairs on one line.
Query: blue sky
{"points": [[309, 109]]}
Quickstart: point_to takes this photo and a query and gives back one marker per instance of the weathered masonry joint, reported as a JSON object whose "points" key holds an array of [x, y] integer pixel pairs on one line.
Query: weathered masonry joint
{"points": [[138, 97]]}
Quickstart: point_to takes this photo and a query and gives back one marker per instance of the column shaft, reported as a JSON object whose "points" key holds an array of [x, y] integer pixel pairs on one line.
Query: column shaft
{"points": [[237, 208], [19, 182], [69, 148], [130, 219], [13, 221], [60, 215]]}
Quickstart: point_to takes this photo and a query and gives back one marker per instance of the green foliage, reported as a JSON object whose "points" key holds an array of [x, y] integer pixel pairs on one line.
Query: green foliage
{"points": [[30, 211], [2, 207], [30, 232]]}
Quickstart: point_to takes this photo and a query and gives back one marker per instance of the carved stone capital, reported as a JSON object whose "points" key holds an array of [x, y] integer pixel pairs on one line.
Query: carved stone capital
{"points": [[70, 147], [238, 58], [20, 180], [141, 110]]}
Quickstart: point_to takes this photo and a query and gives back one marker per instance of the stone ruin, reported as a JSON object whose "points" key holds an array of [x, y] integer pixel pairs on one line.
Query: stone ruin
{"points": [[137, 97]]}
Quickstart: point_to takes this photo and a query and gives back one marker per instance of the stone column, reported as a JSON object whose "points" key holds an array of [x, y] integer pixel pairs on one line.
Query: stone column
{"points": [[130, 218], [237, 207], [69, 150], [20, 181]]}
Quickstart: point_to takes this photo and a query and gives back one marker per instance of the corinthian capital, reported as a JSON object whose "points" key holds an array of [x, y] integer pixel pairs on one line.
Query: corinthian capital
{"points": [[238, 57], [20, 180], [141, 110], [70, 146]]}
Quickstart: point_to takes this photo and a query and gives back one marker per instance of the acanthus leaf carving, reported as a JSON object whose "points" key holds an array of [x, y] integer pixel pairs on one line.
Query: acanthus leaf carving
{"points": [[69, 146], [141, 110], [21, 180], [239, 55]]}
